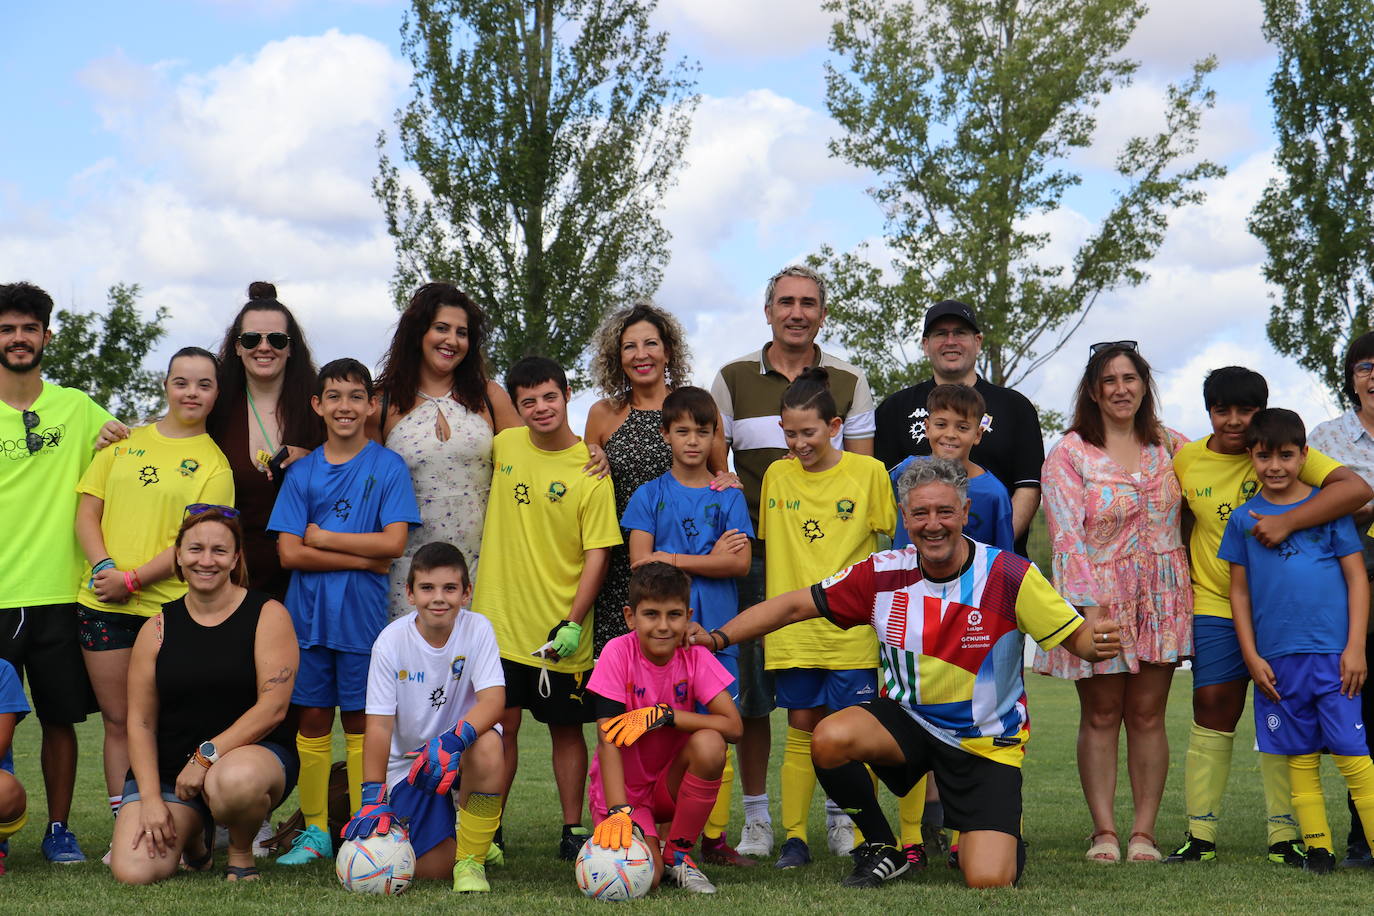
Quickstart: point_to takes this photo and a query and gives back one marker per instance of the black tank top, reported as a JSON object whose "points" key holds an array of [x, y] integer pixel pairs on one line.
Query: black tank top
{"points": [[206, 678]]}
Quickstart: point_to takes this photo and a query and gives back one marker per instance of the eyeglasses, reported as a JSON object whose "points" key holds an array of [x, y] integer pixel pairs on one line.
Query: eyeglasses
{"points": [[1097, 348], [1363, 369], [202, 508], [32, 440], [249, 340]]}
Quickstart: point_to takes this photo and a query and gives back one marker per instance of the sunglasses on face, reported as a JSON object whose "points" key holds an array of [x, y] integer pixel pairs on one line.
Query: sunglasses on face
{"points": [[202, 508], [32, 440], [249, 340], [1097, 348]]}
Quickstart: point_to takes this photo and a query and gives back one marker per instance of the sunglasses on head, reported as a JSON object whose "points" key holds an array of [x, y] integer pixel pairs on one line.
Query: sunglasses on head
{"points": [[249, 340], [202, 508], [1097, 348], [32, 440]]}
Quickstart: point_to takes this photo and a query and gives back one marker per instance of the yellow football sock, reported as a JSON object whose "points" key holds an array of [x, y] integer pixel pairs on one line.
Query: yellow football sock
{"points": [[1304, 772], [1204, 779], [909, 809], [798, 783], [10, 828], [1278, 798], [720, 814], [353, 755], [477, 823], [1359, 778], [313, 782]]}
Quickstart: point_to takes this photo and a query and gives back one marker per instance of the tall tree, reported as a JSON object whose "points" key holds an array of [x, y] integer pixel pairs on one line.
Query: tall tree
{"points": [[546, 133], [1316, 219], [968, 112], [102, 354]]}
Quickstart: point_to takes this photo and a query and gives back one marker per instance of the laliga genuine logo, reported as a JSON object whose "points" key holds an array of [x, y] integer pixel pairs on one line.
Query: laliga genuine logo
{"points": [[975, 617], [1272, 722]]}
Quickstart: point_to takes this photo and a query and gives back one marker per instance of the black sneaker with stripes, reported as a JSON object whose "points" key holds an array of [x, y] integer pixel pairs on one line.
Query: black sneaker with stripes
{"points": [[875, 863]]}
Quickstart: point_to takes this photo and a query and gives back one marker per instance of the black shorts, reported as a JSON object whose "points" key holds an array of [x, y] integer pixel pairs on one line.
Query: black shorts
{"points": [[563, 706], [41, 642], [99, 631], [978, 793]]}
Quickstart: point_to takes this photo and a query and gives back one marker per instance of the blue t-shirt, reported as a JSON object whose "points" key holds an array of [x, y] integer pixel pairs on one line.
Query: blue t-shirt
{"points": [[11, 700], [342, 609], [690, 520], [1298, 599], [989, 510]]}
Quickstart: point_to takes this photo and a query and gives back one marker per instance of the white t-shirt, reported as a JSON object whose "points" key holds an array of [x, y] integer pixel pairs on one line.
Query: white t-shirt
{"points": [[428, 690]]}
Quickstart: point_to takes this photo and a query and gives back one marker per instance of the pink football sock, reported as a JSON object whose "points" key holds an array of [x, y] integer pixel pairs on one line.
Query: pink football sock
{"points": [[695, 799]]}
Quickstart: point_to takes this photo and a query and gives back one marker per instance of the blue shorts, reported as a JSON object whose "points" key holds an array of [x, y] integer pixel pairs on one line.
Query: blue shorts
{"points": [[1216, 652], [807, 688], [1312, 716], [430, 817], [332, 677]]}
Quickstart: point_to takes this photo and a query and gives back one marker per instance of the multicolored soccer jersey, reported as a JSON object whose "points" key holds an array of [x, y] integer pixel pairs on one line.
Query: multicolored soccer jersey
{"points": [[146, 483], [543, 514], [689, 520], [989, 511], [814, 524], [1298, 598], [40, 560], [1214, 485], [13, 701], [342, 609], [623, 675], [951, 651]]}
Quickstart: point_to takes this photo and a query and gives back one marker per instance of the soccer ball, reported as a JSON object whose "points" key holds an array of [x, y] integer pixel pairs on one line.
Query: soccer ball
{"points": [[379, 864], [615, 874]]}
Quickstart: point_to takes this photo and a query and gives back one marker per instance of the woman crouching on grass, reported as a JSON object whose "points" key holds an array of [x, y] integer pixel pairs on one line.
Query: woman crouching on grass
{"points": [[210, 681]]}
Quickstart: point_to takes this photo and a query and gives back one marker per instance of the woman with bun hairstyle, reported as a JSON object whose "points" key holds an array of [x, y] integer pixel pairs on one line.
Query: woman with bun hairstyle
{"points": [[266, 378], [439, 413]]}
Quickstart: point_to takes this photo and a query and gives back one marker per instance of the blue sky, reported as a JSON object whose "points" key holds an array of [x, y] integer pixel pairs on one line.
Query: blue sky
{"points": [[193, 146]]}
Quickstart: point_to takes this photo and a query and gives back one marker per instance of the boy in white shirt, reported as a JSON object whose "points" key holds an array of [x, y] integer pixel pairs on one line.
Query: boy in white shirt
{"points": [[434, 691]]}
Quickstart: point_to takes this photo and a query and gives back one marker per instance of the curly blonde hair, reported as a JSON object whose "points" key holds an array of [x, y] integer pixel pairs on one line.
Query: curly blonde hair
{"points": [[608, 375]]}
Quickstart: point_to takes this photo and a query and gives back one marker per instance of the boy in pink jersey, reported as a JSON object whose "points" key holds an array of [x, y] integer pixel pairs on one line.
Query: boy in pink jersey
{"points": [[659, 759]]}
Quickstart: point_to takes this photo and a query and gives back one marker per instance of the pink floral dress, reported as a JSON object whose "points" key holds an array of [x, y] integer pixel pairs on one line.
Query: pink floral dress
{"points": [[1116, 544]]}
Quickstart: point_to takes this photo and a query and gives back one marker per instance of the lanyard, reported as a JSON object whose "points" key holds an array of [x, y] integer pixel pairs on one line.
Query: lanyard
{"points": [[272, 449]]}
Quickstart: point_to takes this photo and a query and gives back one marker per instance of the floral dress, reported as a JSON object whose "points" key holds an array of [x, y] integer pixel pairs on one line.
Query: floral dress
{"points": [[452, 477], [1116, 544], [637, 454]]}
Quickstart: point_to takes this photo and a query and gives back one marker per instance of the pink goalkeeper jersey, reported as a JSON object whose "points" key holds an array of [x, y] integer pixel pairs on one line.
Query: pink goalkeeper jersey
{"points": [[624, 675]]}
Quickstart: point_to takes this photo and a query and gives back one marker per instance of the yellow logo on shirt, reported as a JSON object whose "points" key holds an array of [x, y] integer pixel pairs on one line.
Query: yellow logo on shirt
{"points": [[189, 467], [844, 509], [557, 490]]}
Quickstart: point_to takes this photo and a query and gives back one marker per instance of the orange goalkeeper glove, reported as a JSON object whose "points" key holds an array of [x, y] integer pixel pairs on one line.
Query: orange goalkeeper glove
{"points": [[628, 727], [616, 830]]}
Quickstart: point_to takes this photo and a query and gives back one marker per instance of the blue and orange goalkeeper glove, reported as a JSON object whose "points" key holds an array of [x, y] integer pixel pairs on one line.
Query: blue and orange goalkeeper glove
{"points": [[374, 816], [436, 764], [628, 727]]}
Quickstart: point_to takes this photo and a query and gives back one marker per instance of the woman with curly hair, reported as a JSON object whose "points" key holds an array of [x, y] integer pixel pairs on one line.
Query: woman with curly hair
{"points": [[439, 412], [640, 355]]}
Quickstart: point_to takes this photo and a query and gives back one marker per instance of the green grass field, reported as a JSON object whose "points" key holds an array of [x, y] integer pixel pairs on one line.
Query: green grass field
{"points": [[1057, 879]]}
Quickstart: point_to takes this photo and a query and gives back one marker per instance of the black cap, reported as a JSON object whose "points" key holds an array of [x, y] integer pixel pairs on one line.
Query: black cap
{"points": [[950, 308]]}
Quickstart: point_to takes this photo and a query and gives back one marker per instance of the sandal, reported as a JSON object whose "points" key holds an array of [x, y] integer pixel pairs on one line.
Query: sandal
{"points": [[1143, 851], [204, 861], [1102, 851], [237, 873]]}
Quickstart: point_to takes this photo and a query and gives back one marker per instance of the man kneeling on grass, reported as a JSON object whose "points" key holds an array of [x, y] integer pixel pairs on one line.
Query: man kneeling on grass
{"points": [[950, 615]]}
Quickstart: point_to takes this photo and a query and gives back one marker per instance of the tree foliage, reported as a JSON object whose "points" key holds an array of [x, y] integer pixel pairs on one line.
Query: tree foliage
{"points": [[968, 111], [102, 355], [1316, 219], [546, 133]]}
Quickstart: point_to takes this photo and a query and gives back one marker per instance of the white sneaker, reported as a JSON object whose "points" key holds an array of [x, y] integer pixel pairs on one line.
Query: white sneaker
{"points": [[687, 876], [840, 837], [264, 834], [756, 839]]}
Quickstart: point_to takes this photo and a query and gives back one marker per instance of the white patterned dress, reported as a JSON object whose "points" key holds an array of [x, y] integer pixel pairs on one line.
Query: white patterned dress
{"points": [[452, 478]]}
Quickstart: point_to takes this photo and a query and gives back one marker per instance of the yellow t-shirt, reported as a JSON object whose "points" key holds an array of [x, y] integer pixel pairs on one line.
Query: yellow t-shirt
{"points": [[543, 513], [815, 524], [147, 481], [1214, 485]]}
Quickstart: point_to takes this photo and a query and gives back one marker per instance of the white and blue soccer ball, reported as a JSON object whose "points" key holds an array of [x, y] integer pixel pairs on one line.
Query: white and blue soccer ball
{"points": [[615, 874], [380, 864]]}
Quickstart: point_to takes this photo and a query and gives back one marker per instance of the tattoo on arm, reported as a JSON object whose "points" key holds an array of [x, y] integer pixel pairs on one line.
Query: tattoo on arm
{"points": [[281, 677]]}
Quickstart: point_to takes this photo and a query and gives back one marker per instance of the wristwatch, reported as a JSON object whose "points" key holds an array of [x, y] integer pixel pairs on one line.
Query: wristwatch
{"points": [[207, 750]]}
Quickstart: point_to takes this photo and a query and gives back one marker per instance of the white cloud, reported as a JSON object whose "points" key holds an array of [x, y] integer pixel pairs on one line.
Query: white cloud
{"points": [[759, 28], [1174, 33]]}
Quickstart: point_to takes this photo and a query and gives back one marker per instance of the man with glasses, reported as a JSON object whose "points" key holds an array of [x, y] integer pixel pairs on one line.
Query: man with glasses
{"points": [[47, 437], [1012, 447]]}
